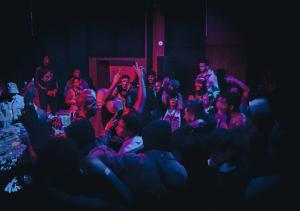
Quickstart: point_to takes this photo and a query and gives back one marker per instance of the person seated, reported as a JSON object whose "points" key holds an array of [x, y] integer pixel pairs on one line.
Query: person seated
{"points": [[72, 95], [11, 105], [83, 84]]}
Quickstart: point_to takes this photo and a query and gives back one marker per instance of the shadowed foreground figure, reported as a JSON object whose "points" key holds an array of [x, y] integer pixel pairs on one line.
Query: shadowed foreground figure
{"points": [[65, 180], [154, 176]]}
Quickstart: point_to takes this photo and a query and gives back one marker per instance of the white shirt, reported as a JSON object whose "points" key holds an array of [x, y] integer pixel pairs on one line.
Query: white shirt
{"points": [[132, 145], [10, 111], [174, 118]]}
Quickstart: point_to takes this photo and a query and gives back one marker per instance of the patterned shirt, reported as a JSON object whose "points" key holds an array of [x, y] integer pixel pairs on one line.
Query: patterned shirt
{"points": [[174, 118]]}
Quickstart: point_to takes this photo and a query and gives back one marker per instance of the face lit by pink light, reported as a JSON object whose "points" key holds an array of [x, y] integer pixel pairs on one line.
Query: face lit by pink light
{"points": [[76, 83], [173, 102], [157, 86], [125, 83], [198, 85], [76, 73], [47, 77], [151, 79], [202, 67], [222, 104]]}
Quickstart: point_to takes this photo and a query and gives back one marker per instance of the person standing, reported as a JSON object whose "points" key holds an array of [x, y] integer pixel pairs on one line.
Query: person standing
{"points": [[47, 88], [210, 78]]}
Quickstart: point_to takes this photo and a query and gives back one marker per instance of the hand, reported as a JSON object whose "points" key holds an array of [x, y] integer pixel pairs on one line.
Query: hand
{"points": [[139, 70], [197, 123], [111, 124], [230, 79], [52, 93], [116, 78]]}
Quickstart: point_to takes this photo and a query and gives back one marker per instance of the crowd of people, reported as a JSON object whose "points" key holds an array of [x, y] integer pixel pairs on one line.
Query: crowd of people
{"points": [[145, 145]]}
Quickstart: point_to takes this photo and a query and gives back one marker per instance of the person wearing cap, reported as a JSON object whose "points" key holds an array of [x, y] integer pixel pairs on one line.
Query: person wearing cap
{"points": [[11, 105]]}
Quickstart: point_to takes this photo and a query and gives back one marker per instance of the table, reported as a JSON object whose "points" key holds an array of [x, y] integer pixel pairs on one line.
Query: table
{"points": [[12, 149]]}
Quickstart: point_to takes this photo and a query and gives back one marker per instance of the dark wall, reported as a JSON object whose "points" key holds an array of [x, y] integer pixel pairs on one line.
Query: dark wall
{"points": [[71, 32], [184, 38], [15, 37]]}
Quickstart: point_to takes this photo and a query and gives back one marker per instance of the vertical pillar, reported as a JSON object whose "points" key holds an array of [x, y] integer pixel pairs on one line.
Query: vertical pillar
{"points": [[158, 36]]}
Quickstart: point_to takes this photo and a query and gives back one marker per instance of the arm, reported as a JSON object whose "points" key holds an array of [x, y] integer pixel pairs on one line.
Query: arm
{"points": [[38, 132], [79, 201], [97, 167], [54, 90], [37, 79], [107, 130], [40, 86], [112, 87], [213, 86], [164, 97], [180, 102], [141, 96], [242, 85]]}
